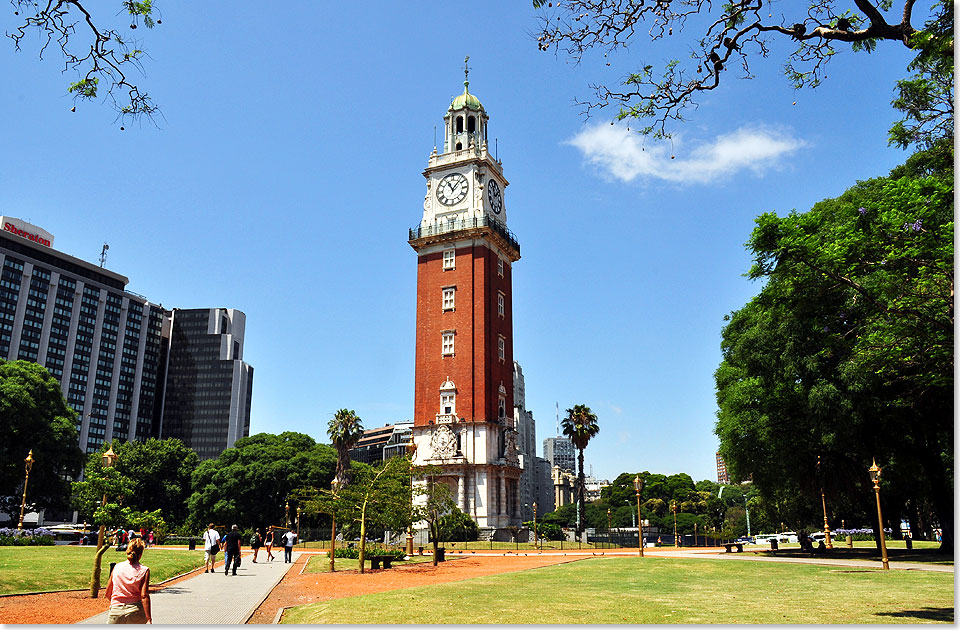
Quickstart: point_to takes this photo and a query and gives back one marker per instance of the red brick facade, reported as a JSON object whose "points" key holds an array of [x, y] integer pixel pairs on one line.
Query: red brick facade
{"points": [[475, 367]]}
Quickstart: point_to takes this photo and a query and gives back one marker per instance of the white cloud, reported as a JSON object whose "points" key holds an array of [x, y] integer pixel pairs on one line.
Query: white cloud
{"points": [[622, 154]]}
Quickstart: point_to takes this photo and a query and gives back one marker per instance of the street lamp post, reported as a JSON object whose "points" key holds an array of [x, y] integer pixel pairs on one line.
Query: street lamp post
{"points": [[412, 450], [673, 508], [875, 478], [108, 459], [823, 499], [28, 462], [333, 524], [536, 539], [298, 522], [638, 488]]}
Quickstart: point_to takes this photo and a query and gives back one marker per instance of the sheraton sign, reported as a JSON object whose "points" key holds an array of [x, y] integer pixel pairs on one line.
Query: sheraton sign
{"points": [[27, 231]]}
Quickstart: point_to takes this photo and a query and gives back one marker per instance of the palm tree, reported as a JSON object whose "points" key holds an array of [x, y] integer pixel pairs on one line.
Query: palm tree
{"points": [[345, 430], [580, 424]]}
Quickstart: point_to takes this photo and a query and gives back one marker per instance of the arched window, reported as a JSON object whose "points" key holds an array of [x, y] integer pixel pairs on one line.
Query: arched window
{"points": [[459, 124], [472, 124]]}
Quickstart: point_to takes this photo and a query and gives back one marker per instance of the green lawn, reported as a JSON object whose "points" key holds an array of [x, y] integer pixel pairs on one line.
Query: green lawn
{"points": [[65, 567], [657, 590]]}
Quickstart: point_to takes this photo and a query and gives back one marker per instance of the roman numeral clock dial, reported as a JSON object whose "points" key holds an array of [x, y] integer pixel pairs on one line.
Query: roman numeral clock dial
{"points": [[452, 189], [494, 196]]}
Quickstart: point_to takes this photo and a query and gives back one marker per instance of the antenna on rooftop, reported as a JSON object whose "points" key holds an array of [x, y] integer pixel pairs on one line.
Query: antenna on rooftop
{"points": [[558, 418], [434, 137], [103, 254]]}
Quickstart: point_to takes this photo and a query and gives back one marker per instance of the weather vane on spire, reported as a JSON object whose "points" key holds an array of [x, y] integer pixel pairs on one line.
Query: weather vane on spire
{"points": [[466, 71]]}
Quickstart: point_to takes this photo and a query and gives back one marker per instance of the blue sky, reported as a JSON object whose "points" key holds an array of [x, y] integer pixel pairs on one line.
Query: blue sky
{"points": [[286, 170]]}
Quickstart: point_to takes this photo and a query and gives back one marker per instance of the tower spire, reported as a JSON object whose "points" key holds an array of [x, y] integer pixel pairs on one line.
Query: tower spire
{"points": [[466, 73]]}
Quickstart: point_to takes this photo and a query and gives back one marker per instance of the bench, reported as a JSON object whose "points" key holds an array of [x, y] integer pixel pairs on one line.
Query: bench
{"points": [[729, 547], [376, 560]]}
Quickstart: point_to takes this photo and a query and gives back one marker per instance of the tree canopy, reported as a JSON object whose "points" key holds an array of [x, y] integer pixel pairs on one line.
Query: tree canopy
{"points": [[34, 415], [157, 471], [100, 56], [847, 352], [726, 37], [250, 482]]}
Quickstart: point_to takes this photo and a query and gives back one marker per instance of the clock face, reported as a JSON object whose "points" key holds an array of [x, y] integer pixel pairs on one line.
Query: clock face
{"points": [[452, 189], [494, 196]]}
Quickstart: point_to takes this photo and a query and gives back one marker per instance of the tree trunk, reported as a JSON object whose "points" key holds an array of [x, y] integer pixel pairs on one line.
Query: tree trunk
{"points": [[434, 531], [363, 534], [95, 581], [580, 495]]}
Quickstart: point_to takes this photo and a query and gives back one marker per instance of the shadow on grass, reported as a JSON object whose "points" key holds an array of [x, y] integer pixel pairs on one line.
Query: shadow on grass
{"points": [[927, 614]]}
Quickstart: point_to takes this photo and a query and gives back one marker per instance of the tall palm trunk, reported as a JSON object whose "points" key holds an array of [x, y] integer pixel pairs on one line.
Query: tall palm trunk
{"points": [[580, 494]]}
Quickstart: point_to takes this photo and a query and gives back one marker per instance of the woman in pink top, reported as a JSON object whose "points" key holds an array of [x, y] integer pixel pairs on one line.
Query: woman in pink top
{"points": [[129, 588]]}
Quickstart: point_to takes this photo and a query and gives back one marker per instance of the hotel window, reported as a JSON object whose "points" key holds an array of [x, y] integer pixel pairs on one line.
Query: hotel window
{"points": [[449, 259], [500, 267], [501, 348], [500, 307], [448, 337], [448, 298]]}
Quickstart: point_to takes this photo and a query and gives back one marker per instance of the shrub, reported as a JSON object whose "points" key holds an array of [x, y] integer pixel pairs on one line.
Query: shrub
{"points": [[12, 537]]}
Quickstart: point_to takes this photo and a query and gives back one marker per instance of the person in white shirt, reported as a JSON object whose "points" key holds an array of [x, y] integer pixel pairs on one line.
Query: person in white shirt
{"points": [[289, 540], [211, 545]]}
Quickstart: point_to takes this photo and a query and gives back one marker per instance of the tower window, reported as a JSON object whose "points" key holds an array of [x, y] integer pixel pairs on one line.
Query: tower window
{"points": [[448, 337], [501, 348], [449, 259], [500, 304], [459, 146], [472, 124], [459, 124], [500, 267], [502, 408], [448, 403], [449, 294]]}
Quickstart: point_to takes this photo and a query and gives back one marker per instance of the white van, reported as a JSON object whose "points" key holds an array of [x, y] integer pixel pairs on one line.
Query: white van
{"points": [[763, 539]]}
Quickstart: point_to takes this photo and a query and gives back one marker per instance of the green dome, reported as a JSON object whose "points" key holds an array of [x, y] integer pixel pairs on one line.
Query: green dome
{"points": [[466, 99]]}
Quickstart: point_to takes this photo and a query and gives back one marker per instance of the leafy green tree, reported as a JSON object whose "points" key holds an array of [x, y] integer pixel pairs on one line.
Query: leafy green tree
{"points": [[157, 472], [345, 430], [249, 483], [34, 415], [847, 352], [95, 52], [456, 526], [433, 501], [580, 425], [727, 37]]}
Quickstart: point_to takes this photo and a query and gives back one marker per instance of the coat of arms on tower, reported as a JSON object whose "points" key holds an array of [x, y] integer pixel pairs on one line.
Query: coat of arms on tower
{"points": [[443, 443]]}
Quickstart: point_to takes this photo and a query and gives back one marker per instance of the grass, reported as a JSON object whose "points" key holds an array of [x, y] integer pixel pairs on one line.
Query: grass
{"points": [[657, 590], [66, 567]]}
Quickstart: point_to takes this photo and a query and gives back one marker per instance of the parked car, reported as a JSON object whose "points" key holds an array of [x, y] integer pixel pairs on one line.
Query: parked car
{"points": [[746, 540], [818, 536], [789, 537]]}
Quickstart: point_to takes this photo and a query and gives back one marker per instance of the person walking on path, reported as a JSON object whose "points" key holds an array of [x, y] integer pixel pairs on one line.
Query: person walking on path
{"points": [[289, 540], [268, 543], [231, 549], [129, 588], [256, 541], [211, 544]]}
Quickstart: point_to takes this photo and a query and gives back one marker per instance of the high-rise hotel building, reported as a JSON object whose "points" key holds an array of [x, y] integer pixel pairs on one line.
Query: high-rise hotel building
{"points": [[107, 346]]}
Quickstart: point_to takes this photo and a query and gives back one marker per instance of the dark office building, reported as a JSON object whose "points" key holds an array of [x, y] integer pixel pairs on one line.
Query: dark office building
{"points": [[208, 386]]}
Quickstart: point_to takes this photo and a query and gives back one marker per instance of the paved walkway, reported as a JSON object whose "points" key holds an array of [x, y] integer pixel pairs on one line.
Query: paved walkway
{"points": [[212, 598]]}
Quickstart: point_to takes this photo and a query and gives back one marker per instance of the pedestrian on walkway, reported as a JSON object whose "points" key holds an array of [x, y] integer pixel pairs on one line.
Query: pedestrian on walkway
{"points": [[129, 588], [211, 544], [256, 541], [268, 543], [289, 540], [231, 550]]}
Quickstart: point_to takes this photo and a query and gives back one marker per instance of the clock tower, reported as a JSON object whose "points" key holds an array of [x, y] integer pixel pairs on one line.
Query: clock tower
{"points": [[463, 398]]}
